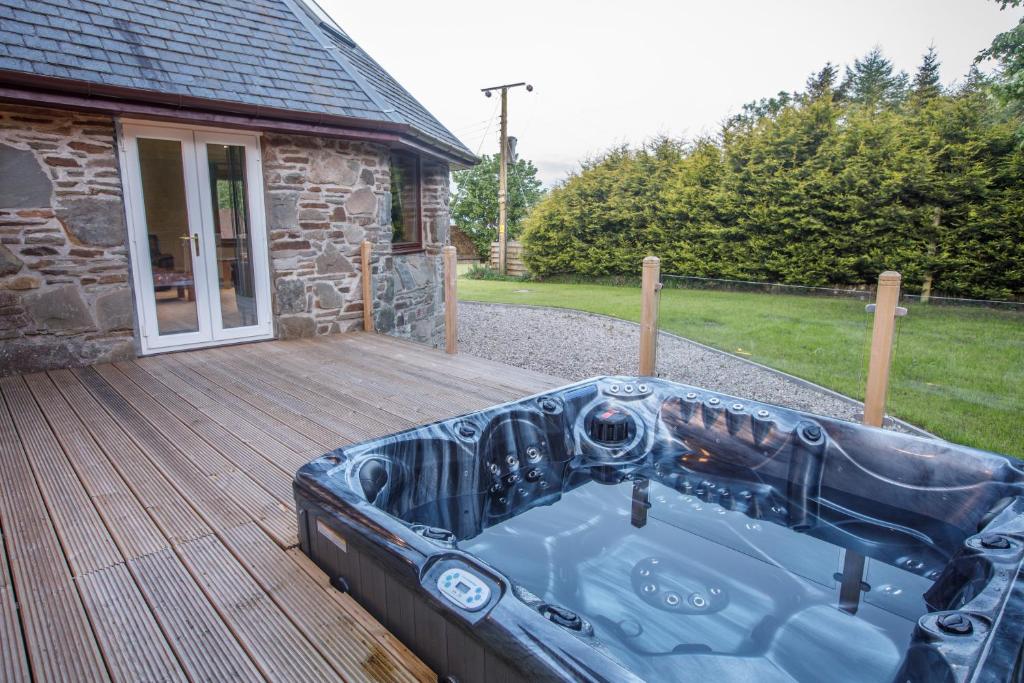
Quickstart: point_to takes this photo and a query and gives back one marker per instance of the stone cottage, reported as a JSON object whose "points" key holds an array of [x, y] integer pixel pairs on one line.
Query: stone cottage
{"points": [[187, 173]]}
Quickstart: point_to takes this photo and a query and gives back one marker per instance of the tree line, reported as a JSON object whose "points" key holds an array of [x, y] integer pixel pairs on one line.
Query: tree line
{"points": [[864, 170]]}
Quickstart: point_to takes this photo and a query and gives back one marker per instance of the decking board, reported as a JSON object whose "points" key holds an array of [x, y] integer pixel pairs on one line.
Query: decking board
{"points": [[357, 414], [336, 628], [282, 431], [256, 437], [176, 518], [204, 645], [13, 658], [59, 638], [354, 388], [87, 544], [284, 393], [262, 402], [271, 640], [383, 384], [192, 484], [131, 529], [264, 472], [147, 519], [132, 642]]}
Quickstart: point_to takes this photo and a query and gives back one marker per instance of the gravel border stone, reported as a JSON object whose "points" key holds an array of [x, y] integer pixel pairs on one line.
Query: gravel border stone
{"points": [[577, 345]]}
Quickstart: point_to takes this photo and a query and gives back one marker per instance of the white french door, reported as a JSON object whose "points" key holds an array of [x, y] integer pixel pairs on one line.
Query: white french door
{"points": [[197, 231]]}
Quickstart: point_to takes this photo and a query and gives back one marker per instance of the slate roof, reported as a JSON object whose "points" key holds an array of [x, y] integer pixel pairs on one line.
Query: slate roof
{"points": [[279, 54]]}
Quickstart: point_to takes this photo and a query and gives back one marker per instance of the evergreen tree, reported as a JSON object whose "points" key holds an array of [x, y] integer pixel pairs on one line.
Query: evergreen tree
{"points": [[823, 83], [927, 85], [873, 81], [974, 82]]}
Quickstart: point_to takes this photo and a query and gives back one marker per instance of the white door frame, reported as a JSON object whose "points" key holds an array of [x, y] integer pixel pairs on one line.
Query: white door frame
{"points": [[257, 238], [193, 141]]}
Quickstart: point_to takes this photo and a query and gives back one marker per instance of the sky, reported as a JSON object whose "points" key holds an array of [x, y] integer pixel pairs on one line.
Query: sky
{"points": [[606, 73]]}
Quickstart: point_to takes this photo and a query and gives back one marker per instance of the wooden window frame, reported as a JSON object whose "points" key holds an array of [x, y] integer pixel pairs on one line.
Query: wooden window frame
{"points": [[416, 245]]}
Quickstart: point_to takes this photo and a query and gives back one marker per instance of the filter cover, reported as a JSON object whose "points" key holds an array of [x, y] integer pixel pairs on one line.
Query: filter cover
{"points": [[610, 425]]}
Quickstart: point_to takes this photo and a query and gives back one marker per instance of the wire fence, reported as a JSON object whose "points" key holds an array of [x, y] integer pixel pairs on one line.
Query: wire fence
{"points": [[863, 293], [820, 334], [956, 363]]}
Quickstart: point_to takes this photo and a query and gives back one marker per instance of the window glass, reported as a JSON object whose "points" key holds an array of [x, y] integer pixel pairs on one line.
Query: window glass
{"points": [[405, 199], [172, 245], [232, 235]]}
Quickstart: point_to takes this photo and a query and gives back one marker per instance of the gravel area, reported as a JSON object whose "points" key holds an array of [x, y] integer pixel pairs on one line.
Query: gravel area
{"points": [[577, 345]]}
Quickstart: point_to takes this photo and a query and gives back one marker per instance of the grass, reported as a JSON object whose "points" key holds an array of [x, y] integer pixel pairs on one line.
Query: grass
{"points": [[957, 371]]}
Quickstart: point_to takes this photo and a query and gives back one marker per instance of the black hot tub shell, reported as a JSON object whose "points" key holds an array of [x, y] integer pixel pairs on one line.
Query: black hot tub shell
{"points": [[636, 529]]}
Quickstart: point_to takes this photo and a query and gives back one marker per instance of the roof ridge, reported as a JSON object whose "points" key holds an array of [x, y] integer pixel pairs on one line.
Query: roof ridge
{"points": [[334, 50]]}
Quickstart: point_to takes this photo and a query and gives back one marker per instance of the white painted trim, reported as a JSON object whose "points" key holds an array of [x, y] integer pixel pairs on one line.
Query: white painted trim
{"points": [[258, 236], [145, 299], [193, 140], [150, 123]]}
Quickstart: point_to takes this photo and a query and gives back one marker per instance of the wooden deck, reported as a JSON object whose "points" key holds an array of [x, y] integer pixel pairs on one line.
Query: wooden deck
{"points": [[148, 528]]}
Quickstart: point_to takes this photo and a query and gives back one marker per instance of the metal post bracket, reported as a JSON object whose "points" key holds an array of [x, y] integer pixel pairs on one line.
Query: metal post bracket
{"points": [[899, 313]]}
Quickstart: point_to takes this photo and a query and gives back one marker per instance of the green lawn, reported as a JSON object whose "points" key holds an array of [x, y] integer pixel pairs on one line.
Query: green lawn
{"points": [[957, 372]]}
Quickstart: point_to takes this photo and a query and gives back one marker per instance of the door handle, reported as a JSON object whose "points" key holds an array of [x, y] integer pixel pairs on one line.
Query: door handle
{"points": [[195, 242]]}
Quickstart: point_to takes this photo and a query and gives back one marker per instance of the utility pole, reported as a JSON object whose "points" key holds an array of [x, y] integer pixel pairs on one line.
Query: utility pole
{"points": [[503, 173], [503, 188]]}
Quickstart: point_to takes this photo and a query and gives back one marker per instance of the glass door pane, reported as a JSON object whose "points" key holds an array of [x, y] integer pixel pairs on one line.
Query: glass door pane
{"points": [[232, 235], [172, 244]]}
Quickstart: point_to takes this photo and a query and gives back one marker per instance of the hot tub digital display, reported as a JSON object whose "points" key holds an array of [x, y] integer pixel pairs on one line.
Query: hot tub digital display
{"points": [[464, 588], [627, 529]]}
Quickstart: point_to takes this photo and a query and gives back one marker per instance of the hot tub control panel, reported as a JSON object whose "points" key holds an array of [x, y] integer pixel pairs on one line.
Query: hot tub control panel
{"points": [[464, 588]]}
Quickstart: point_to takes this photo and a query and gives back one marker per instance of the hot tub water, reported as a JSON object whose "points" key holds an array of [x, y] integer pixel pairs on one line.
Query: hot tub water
{"points": [[703, 580]]}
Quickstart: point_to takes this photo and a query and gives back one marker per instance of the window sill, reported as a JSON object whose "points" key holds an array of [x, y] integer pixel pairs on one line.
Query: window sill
{"points": [[402, 249]]}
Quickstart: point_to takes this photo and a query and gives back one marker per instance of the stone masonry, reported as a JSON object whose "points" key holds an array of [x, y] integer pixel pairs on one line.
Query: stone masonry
{"points": [[64, 293], [324, 196]]}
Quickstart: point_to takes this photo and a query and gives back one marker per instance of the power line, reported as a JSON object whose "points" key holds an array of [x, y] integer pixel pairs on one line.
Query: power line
{"points": [[488, 129]]}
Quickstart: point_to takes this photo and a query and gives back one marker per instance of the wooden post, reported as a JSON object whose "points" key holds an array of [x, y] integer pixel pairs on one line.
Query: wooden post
{"points": [[886, 299], [451, 302], [365, 251], [503, 186], [649, 288]]}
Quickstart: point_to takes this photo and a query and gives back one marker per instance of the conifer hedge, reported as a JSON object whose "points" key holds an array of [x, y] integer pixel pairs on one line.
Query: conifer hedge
{"points": [[825, 187]]}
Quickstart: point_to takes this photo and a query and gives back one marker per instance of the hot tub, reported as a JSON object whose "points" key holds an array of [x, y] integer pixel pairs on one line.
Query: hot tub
{"points": [[636, 529]]}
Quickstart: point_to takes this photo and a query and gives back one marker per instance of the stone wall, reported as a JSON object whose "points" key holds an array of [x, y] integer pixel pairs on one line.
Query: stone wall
{"points": [[324, 197], [65, 297], [410, 301], [64, 292]]}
